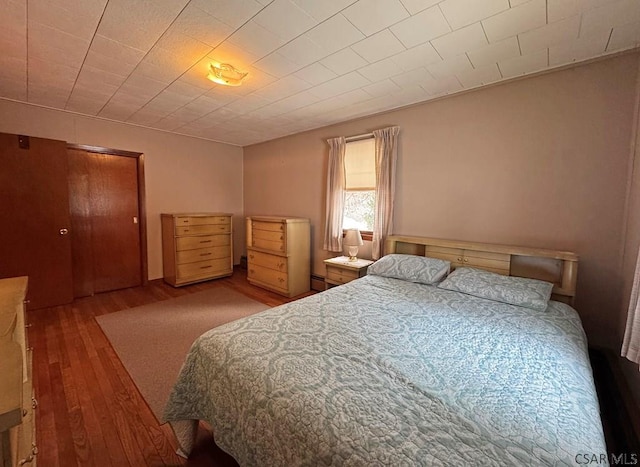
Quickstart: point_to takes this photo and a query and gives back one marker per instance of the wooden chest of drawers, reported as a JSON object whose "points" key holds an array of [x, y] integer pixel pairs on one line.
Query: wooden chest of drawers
{"points": [[17, 402], [278, 254], [196, 247]]}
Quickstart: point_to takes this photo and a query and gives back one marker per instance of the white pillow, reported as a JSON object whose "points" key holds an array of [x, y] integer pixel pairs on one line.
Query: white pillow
{"points": [[411, 268]]}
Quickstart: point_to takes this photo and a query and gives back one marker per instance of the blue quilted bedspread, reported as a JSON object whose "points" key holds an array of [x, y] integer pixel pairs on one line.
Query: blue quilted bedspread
{"points": [[387, 372]]}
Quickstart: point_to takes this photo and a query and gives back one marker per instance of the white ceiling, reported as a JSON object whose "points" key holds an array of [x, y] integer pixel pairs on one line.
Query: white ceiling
{"points": [[311, 62]]}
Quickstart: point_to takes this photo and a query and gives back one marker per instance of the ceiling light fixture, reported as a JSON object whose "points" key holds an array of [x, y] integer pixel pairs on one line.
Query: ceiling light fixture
{"points": [[225, 74]]}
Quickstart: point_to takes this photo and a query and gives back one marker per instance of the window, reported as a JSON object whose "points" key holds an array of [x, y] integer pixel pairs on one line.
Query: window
{"points": [[360, 178]]}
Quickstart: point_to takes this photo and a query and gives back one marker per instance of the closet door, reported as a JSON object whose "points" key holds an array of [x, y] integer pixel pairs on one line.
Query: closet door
{"points": [[34, 200], [104, 206]]}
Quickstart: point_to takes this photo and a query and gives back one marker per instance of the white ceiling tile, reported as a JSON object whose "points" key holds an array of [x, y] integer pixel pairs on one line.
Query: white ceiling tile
{"points": [[54, 45], [624, 37], [526, 64], [118, 111], [381, 88], [112, 56], [90, 76], [450, 66], [324, 9], [138, 24], [187, 48], [378, 46], [13, 29], [234, 13], [610, 15], [565, 30], [418, 56], [233, 54], [380, 70], [494, 52], [141, 86], [442, 86], [371, 16], [521, 18], [316, 73], [203, 105], [13, 69], [461, 13], [200, 25], [302, 51], [416, 6], [344, 61], [86, 105], [479, 76], [340, 85], [59, 72], [282, 88], [335, 34], [186, 89], [49, 94], [74, 17], [580, 49], [256, 39], [277, 65], [458, 42], [561, 9], [146, 118], [285, 19], [247, 104], [420, 28], [408, 78]]}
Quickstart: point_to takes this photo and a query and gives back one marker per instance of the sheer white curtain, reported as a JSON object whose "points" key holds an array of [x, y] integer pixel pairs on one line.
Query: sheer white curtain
{"points": [[631, 343], [335, 195], [386, 155]]}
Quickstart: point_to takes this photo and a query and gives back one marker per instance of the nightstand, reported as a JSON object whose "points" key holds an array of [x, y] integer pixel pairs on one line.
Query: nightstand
{"points": [[340, 270]]}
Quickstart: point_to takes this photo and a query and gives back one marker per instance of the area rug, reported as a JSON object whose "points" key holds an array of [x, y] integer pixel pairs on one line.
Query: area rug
{"points": [[152, 340]]}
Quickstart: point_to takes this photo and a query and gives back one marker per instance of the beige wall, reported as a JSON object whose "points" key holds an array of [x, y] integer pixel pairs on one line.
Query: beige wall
{"points": [[181, 173], [539, 162]]}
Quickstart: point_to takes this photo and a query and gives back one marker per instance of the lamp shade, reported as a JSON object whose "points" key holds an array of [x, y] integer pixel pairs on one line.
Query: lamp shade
{"points": [[352, 237]]}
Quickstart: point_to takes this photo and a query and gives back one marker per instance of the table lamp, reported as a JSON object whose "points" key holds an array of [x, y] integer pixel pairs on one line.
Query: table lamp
{"points": [[352, 239]]}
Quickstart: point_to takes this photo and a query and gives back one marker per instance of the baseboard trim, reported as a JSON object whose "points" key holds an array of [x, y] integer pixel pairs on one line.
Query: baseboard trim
{"points": [[317, 283]]}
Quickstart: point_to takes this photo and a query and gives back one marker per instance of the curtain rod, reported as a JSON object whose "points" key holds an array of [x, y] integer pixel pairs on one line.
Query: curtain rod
{"points": [[358, 137]]}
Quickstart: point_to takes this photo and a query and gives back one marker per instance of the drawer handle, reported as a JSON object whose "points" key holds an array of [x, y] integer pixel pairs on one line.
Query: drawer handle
{"points": [[251, 256], [28, 325], [280, 279], [205, 241], [26, 302], [186, 230], [29, 349], [466, 260], [205, 254], [280, 265], [459, 259], [30, 457], [185, 221], [222, 228], [252, 271], [34, 403], [206, 267], [24, 412]]}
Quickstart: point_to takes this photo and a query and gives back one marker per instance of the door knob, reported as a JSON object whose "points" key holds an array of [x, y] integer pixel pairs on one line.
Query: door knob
{"points": [[64, 231]]}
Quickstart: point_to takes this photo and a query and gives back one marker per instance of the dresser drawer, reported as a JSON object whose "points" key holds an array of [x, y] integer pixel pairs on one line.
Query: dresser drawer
{"points": [[205, 241], [269, 276], [201, 220], [202, 254], [341, 275], [203, 229], [279, 263], [272, 226], [204, 268]]}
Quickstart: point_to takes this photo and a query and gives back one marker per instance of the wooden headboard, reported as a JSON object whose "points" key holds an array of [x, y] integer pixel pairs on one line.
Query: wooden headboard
{"points": [[558, 267]]}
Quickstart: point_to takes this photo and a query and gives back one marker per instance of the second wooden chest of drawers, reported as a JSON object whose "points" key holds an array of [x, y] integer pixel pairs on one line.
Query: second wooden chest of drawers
{"points": [[196, 247], [278, 254]]}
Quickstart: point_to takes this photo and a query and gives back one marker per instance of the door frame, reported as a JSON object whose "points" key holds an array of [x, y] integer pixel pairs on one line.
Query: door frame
{"points": [[142, 210]]}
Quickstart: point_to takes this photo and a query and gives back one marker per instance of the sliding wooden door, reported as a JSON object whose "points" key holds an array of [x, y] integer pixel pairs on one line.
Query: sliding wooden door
{"points": [[105, 216], [34, 201]]}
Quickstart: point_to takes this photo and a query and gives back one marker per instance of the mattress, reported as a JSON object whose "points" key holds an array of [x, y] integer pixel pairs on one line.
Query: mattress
{"points": [[382, 371]]}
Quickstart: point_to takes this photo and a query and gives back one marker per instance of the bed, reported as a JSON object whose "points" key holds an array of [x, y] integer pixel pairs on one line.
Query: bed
{"points": [[389, 370]]}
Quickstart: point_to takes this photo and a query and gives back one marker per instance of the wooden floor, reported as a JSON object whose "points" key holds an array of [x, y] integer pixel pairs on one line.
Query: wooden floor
{"points": [[89, 410]]}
